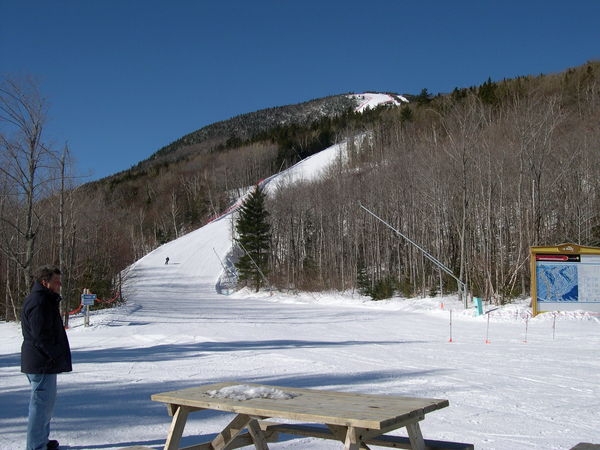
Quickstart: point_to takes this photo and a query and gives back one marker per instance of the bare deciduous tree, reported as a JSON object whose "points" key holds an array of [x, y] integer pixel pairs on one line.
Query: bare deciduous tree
{"points": [[25, 163]]}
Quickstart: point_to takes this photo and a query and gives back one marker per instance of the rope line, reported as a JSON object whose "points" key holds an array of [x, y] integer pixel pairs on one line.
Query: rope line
{"points": [[112, 300], [99, 300], [76, 310]]}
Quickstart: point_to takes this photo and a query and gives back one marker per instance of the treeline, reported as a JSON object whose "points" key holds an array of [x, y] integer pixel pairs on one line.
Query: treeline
{"points": [[476, 177], [296, 142], [43, 217], [245, 127]]}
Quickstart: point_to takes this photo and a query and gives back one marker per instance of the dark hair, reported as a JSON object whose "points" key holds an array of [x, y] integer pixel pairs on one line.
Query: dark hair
{"points": [[45, 273]]}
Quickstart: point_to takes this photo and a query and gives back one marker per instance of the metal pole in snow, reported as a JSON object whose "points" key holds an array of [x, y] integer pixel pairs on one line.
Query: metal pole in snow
{"points": [[450, 340], [526, 324], [226, 269], [487, 331], [553, 325], [425, 252], [86, 320]]}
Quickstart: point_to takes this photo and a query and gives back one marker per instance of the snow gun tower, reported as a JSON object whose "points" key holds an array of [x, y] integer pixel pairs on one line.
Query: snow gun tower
{"points": [[565, 278], [462, 286]]}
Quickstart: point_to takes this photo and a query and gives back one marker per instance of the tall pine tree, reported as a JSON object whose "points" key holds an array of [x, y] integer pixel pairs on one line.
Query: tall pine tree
{"points": [[254, 238]]}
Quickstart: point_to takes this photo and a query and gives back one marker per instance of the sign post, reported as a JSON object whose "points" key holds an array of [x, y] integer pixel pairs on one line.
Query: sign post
{"points": [[87, 300], [565, 278]]}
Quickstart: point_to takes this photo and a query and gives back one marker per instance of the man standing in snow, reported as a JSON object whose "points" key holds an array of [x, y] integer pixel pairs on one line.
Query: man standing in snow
{"points": [[45, 352]]}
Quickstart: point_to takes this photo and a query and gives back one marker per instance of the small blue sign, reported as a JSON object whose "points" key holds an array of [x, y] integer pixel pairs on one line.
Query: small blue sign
{"points": [[88, 299]]}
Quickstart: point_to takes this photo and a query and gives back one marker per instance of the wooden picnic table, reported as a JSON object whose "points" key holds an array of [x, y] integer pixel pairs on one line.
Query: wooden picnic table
{"points": [[358, 420]]}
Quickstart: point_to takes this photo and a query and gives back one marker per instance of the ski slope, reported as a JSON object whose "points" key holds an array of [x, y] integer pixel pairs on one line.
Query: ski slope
{"points": [[176, 331], [199, 258]]}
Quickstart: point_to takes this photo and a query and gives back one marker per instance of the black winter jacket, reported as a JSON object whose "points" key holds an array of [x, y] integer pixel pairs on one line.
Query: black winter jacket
{"points": [[45, 346]]}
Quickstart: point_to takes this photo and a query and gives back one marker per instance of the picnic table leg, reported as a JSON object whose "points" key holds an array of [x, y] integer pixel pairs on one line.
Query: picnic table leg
{"points": [[353, 439], [260, 442], [230, 432], [415, 436], [177, 425]]}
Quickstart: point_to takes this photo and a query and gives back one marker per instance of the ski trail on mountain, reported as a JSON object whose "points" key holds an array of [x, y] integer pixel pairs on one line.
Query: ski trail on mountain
{"points": [[196, 259]]}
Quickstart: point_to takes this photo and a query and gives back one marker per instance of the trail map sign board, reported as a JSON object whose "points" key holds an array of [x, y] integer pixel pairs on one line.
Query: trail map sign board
{"points": [[565, 278]]}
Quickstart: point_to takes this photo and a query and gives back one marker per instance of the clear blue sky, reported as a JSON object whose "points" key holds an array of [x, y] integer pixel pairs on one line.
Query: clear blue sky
{"points": [[125, 78]]}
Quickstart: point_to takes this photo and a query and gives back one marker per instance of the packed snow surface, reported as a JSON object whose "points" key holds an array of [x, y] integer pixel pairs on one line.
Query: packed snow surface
{"points": [[535, 385], [243, 392], [309, 169]]}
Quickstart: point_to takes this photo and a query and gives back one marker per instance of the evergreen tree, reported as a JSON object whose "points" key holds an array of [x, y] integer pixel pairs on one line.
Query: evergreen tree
{"points": [[254, 237], [363, 281], [423, 98], [406, 114], [458, 94], [487, 92]]}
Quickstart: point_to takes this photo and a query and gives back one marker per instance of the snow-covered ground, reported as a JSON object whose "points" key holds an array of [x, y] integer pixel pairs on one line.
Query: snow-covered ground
{"points": [[370, 100], [176, 332]]}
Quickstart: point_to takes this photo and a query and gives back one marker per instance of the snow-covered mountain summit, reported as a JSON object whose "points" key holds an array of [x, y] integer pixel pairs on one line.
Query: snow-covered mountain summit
{"points": [[370, 100]]}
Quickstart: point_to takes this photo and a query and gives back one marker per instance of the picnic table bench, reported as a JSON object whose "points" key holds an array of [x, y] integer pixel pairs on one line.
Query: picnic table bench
{"points": [[357, 420]]}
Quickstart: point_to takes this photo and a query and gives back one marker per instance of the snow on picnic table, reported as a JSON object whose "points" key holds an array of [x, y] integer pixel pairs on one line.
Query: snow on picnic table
{"points": [[176, 332], [241, 392]]}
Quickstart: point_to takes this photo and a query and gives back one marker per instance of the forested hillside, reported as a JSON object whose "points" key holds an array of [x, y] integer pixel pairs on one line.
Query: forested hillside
{"points": [[476, 176], [231, 133]]}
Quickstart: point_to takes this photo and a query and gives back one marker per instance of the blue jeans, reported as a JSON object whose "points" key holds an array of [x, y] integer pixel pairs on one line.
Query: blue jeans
{"points": [[41, 405]]}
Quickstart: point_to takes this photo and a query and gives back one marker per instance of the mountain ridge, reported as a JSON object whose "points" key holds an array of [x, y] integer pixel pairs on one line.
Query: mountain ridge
{"points": [[242, 127]]}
